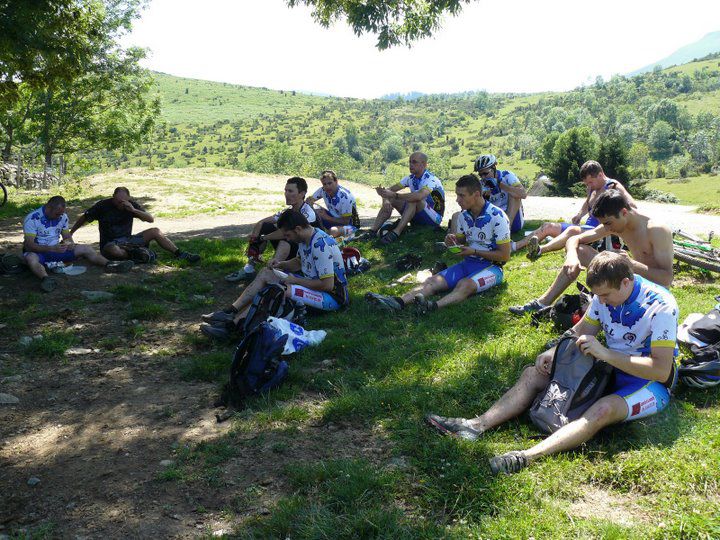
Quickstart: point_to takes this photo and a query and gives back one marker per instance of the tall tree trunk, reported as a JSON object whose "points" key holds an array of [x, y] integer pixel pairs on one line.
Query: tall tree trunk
{"points": [[7, 149], [47, 126]]}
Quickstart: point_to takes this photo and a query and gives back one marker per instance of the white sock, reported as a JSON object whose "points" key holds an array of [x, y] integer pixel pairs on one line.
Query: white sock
{"points": [[249, 268], [513, 247]]}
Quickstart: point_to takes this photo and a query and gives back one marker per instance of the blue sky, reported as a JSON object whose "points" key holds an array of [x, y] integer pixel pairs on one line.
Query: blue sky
{"points": [[494, 45]]}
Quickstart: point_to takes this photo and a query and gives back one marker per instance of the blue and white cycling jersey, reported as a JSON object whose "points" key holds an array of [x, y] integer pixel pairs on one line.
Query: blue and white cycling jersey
{"points": [[46, 231], [321, 258], [428, 181], [339, 205], [649, 317], [306, 210], [486, 231], [499, 197]]}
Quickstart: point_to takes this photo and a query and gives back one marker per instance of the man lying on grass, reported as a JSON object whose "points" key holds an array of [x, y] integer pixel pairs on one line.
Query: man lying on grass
{"points": [[481, 235], [315, 278], [267, 230], [48, 241], [115, 218], [639, 320], [649, 242]]}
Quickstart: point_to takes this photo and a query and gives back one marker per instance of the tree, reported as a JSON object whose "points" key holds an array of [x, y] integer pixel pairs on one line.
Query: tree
{"points": [[571, 149], [392, 148], [661, 139], [84, 91], [639, 155], [395, 22], [613, 156]]}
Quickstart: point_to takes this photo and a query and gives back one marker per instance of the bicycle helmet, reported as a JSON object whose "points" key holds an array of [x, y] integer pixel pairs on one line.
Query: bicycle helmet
{"points": [[701, 374], [485, 161]]}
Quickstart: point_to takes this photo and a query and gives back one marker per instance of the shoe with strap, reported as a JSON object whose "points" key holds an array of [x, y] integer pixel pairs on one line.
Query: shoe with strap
{"points": [[423, 306], [389, 238], [533, 248], [241, 275], [389, 303], [532, 305], [454, 427], [366, 235], [189, 257], [509, 463], [119, 267]]}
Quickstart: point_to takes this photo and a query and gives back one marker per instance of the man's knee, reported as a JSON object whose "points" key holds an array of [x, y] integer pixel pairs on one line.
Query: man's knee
{"points": [[607, 410], [112, 251], [466, 286], [435, 283], [32, 259], [152, 234]]}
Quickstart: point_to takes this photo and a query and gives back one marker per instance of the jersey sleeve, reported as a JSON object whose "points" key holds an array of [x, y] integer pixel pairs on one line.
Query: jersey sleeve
{"points": [[65, 223], [309, 213], [323, 258], [318, 194], [405, 181], [502, 229], [510, 179], [347, 204], [30, 225], [592, 315], [664, 327]]}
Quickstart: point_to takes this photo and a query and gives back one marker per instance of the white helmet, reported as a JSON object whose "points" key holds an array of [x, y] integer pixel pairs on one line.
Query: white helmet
{"points": [[485, 161]]}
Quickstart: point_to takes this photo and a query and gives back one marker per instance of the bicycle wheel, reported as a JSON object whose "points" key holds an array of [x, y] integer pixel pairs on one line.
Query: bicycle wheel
{"points": [[706, 263], [3, 194]]}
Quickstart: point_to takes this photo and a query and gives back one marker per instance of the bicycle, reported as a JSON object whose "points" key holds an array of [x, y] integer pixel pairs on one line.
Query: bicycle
{"points": [[3, 194], [696, 252]]}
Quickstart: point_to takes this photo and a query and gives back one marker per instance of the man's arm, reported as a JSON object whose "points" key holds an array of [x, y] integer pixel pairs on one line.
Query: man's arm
{"points": [[82, 220], [501, 254], [138, 212], [656, 367], [662, 250], [583, 210], [617, 185], [291, 265], [258, 226], [30, 245], [515, 190]]}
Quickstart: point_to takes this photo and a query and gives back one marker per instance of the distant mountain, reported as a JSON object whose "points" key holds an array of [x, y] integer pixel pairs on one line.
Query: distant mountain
{"points": [[707, 45], [410, 96]]}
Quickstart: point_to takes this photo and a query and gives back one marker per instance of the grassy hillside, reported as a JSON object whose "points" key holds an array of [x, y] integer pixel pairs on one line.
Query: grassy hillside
{"points": [[206, 124]]}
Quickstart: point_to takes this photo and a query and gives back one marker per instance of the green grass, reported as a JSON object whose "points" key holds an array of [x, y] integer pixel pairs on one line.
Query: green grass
{"points": [[52, 345], [703, 190], [663, 473]]}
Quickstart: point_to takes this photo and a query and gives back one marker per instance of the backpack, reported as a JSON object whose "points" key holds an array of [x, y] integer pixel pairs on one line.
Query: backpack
{"points": [[700, 334], [354, 262], [11, 264], [269, 302], [257, 366], [566, 312], [576, 382]]}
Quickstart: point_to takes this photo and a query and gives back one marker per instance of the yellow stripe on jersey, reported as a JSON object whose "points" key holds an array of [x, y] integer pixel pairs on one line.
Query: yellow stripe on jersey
{"points": [[591, 321]]}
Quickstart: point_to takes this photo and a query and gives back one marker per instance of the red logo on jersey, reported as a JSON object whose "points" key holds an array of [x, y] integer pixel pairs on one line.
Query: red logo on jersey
{"points": [[635, 409]]}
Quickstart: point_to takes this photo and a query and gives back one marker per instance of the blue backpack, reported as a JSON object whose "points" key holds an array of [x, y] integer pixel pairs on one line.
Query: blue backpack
{"points": [[257, 366]]}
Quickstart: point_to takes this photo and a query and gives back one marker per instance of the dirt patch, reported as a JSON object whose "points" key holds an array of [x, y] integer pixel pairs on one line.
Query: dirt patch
{"points": [[601, 504]]}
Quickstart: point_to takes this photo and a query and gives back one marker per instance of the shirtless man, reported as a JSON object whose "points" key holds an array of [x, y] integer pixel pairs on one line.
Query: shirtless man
{"points": [[649, 242], [593, 176]]}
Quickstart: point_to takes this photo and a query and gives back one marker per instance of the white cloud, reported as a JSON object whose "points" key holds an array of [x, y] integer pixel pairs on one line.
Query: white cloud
{"points": [[497, 45]]}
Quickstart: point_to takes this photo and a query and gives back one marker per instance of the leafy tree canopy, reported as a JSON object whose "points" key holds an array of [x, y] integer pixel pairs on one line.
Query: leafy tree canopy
{"points": [[395, 22]]}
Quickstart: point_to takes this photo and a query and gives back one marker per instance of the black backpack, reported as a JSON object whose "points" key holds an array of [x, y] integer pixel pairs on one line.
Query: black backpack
{"points": [[11, 264], [576, 382], [257, 366], [567, 311], [269, 302]]}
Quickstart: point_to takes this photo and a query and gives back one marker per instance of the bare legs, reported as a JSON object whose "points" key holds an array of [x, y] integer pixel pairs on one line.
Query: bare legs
{"points": [[564, 279]]}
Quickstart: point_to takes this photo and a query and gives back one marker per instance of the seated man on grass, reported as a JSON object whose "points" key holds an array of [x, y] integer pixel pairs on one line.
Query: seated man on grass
{"points": [[593, 176], [340, 216], [315, 278], [424, 205], [115, 218], [266, 230], [639, 320], [481, 235], [649, 242], [506, 190], [48, 240]]}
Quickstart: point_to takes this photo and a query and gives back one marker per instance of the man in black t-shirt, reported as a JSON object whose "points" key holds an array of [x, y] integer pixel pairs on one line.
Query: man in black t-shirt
{"points": [[115, 220]]}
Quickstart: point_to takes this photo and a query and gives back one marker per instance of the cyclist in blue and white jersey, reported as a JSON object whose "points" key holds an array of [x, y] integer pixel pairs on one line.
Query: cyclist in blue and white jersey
{"points": [[482, 234], [423, 205], [593, 176], [639, 320], [340, 216], [506, 190], [315, 278], [48, 241], [266, 230]]}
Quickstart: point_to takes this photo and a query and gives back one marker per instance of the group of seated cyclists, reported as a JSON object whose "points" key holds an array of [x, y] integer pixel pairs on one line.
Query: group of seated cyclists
{"points": [[631, 304]]}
